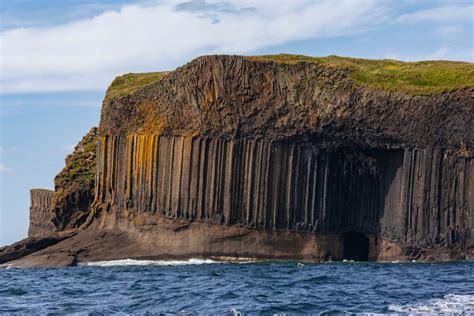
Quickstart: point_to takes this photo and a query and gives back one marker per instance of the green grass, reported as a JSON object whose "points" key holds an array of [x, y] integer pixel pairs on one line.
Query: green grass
{"points": [[416, 78], [81, 165], [129, 83]]}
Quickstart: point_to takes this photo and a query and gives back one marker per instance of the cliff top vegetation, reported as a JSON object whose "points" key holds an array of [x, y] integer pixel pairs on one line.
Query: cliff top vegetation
{"points": [[80, 166], [414, 78], [129, 83]]}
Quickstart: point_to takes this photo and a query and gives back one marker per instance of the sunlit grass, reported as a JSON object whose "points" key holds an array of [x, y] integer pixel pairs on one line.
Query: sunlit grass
{"points": [[419, 78], [129, 83], [416, 78]]}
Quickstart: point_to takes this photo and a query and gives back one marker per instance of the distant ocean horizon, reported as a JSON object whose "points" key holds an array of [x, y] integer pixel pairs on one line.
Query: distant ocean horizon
{"points": [[200, 286]]}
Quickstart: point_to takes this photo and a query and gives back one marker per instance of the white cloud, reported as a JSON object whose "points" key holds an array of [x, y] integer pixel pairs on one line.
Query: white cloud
{"points": [[443, 13], [449, 30], [4, 168], [88, 53], [441, 53], [453, 53]]}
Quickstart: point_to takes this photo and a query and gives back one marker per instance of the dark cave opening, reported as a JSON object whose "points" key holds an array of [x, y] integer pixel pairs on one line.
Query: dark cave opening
{"points": [[356, 246]]}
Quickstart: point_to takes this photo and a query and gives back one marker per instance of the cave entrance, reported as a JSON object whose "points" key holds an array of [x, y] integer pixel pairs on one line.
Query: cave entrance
{"points": [[356, 246]]}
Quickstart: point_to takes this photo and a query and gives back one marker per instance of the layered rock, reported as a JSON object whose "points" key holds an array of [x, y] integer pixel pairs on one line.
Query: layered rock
{"points": [[237, 156], [28, 246]]}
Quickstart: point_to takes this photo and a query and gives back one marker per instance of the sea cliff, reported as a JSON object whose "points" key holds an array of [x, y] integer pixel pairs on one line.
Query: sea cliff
{"points": [[270, 157]]}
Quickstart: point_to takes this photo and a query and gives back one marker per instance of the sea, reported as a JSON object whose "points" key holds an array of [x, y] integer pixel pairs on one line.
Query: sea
{"points": [[207, 287]]}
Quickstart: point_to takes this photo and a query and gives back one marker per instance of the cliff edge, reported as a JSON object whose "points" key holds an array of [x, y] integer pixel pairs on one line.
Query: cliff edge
{"points": [[273, 157]]}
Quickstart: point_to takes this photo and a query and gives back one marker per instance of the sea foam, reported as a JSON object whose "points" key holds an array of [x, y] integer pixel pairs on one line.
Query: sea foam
{"points": [[133, 262], [449, 304]]}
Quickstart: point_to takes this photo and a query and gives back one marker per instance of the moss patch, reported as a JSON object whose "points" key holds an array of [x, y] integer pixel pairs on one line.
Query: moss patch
{"points": [[80, 169], [416, 78], [81, 164], [129, 83]]}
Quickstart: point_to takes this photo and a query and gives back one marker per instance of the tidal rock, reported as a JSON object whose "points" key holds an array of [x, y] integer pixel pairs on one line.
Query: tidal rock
{"points": [[28, 246]]}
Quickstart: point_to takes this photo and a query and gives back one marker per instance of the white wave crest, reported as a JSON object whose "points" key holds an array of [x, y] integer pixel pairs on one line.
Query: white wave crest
{"points": [[449, 304], [133, 262]]}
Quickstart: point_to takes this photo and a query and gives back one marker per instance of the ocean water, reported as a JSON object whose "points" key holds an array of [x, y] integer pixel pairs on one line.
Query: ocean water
{"points": [[268, 288]]}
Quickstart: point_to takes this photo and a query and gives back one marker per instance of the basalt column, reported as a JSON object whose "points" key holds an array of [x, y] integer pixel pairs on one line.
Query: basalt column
{"points": [[430, 200], [263, 185], [40, 213], [420, 198]]}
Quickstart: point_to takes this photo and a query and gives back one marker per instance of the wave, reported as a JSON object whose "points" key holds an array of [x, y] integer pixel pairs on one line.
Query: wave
{"points": [[449, 304], [133, 262], [12, 291]]}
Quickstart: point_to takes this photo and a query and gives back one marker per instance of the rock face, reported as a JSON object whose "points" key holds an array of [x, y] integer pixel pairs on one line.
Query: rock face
{"points": [[232, 97], [420, 199], [232, 156], [74, 185], [40, 213], [296, 148]]}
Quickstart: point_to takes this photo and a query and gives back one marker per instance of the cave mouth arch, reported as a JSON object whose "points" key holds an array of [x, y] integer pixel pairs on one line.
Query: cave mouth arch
{"points": [[356, 246]]}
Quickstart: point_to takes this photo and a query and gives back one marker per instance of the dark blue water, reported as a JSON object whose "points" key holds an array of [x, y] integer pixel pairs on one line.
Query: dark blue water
{"points": [[252, 288]]}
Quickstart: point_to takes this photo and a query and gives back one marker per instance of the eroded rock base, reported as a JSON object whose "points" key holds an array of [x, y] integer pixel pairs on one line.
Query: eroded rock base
{"points": [[155, 238]]}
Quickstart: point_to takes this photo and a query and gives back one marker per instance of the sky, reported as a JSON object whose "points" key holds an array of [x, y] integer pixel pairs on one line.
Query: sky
{"points": [[57, 58]]}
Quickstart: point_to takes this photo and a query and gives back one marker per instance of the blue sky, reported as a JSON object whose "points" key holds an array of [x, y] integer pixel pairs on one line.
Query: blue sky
{"points": [[58, 56]]}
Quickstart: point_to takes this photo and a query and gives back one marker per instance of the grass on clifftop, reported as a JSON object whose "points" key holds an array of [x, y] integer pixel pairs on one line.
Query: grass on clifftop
{"points": [[417, 78], [129, 83]]}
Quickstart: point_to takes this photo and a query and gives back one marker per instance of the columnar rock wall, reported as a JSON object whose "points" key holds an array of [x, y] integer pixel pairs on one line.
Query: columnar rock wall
{"points": [[297, 147], [430, 201], [40, 213], [271, 157], [418, 198]]}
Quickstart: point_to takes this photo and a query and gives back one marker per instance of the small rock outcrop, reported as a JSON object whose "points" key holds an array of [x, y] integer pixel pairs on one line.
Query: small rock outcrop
{"points": [[40, 213], [74, 185]]}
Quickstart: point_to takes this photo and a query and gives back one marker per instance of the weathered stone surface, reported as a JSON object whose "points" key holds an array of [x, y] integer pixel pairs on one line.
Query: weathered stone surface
{"points": [[40, 213], [28, 246], [417, 198], [56, 215], [228, 156], [233, 97], [74, 185], [294, 147]]}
